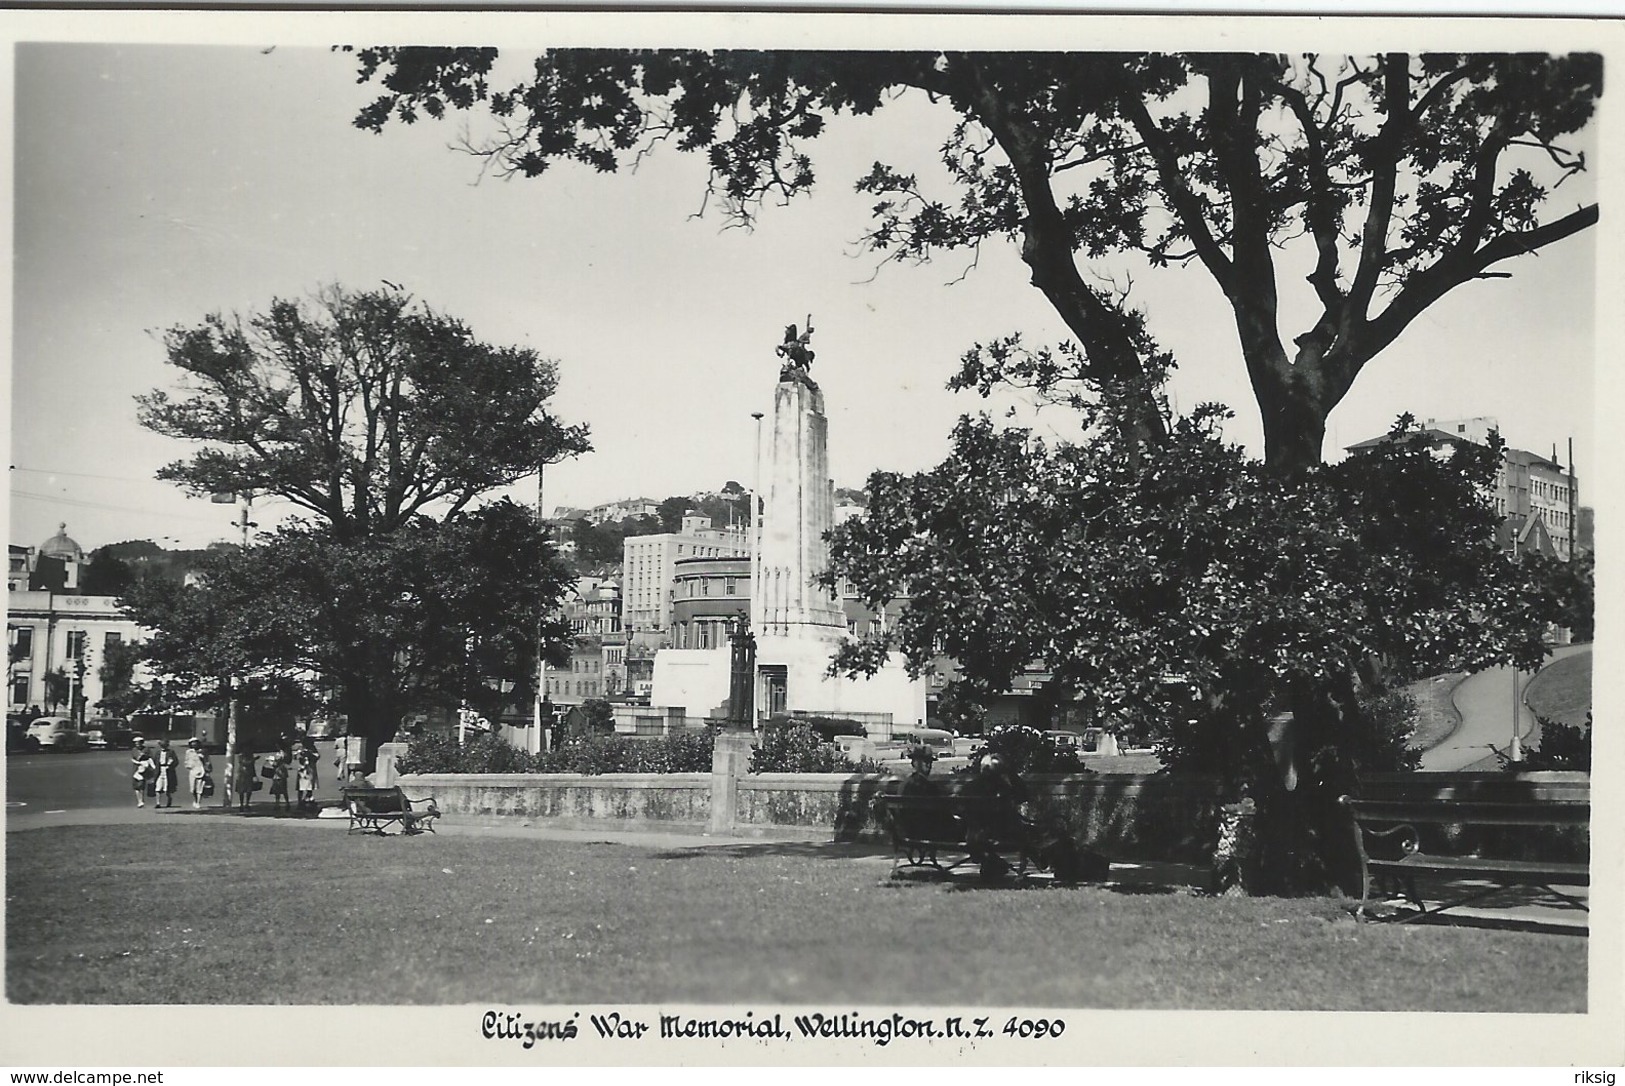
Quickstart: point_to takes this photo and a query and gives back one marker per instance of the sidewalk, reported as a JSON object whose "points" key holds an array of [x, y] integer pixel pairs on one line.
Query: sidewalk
{"points": [[1485, 704]]}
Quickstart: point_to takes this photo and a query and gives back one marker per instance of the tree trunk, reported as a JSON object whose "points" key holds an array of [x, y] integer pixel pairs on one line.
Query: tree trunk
{"points": [[371, 703]]}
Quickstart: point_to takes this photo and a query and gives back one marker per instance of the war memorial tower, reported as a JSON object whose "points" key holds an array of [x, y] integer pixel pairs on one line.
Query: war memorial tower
{"points": [[796, 623]]}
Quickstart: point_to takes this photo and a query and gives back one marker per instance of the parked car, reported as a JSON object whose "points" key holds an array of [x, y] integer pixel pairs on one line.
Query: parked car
{"points": [[109, 733], [56, 733], [18, 741]]}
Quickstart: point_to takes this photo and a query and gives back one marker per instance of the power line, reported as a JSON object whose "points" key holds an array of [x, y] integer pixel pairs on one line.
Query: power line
{"points": [[87, 475], [80, 503]]}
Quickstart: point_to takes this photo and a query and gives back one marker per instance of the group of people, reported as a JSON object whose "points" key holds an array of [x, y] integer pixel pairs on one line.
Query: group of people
{"points": [[1042, 842], [294, 760], [155, 773]]}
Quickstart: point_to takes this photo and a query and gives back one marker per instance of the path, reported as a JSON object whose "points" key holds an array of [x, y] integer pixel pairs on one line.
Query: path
{"points": [[1486, 704]]}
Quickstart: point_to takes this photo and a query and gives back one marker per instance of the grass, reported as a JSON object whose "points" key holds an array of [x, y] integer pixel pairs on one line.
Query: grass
{"points": [[242, 914], [1562, 691], [1436, 715]]}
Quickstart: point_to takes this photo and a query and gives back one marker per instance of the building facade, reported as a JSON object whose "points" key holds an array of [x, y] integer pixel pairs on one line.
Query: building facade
{"points": [[63, 633], [709, 596], [597, 664], [54, 630], [649, 569], [1536, 496]]}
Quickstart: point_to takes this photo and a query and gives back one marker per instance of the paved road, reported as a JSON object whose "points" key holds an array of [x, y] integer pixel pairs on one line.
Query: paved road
{"points": [[46, 787], [1486, 704]]}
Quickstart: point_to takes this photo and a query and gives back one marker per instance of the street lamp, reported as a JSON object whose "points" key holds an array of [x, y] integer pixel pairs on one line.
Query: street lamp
{"points": [[1515, 749]]}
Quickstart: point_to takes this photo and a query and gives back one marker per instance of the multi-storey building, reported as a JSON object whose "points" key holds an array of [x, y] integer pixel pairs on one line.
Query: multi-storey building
{"points": [[1535, 495], [597, 665], [51, 629], [709, 595], [648, 572]]}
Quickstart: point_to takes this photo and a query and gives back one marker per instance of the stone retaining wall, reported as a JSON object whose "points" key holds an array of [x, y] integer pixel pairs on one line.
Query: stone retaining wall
{"points": [[1130, 817], [672, 801]]}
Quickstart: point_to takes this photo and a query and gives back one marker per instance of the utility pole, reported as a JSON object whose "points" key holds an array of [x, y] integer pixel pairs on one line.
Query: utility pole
{"points": [[1574, 499], [757, 594], [245, 502], [1515, 749], [535, 741]]}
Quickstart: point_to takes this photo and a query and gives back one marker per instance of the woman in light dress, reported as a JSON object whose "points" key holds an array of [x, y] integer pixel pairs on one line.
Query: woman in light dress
{"points": [[197, 770]]}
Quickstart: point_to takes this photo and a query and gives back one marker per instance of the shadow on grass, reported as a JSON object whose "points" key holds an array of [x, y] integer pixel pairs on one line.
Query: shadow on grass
{"points": [[744, 850], [1511, 908], [255, 812]]}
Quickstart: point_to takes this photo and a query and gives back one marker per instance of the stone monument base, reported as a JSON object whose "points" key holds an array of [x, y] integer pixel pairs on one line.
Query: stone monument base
{"points": [[697, 680]]}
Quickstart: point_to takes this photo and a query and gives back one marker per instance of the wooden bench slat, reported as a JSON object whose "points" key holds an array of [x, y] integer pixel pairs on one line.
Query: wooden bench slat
{"points": [[1395, 820], [1568, 874], [371, 809], [1471, 813]]}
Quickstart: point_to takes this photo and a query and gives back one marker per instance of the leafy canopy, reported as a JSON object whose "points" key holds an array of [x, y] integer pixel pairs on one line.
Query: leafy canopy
{"points": [[1199, 568], [1405, 175], [423, 615], [364, 408], [386, 422]]}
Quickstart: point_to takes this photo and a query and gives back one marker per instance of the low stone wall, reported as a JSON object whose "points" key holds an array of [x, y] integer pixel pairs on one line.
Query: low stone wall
{"points": [[1128, 817], [656, 801]]}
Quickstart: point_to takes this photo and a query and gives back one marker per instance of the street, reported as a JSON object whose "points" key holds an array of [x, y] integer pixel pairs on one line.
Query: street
{"points": [[48, 786]]}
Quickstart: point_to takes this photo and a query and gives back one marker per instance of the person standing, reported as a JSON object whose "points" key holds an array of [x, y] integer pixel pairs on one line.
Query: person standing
{"points": [[142, 769], [243, 779], [197, 771], [305, 777], [279, 781], [168, 774]]}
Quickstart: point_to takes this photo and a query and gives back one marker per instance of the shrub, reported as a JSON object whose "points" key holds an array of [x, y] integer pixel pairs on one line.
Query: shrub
{"points": [[1561, 746], [593, 754], [789, 746], [826, 727], [594, 716], [439, 752], [1028, 750], [683, 752], [1380, 743]]}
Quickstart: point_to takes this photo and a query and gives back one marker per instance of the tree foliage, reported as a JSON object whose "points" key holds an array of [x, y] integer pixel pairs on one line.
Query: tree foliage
{"points": [[121, 695], [1200, 568], [366, 409], [387, 423], [1407, 176], [414, 619]]}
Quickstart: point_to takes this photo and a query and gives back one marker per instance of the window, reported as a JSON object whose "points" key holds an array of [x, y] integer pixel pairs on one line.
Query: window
{"points": [[731, 585], [76, 644], [24, 640]]}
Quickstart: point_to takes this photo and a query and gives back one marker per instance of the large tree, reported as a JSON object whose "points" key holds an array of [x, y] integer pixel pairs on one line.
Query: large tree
{"points": [[1202, 572], [421, 617], [365, 409], [1408, 175], [386, 423]]}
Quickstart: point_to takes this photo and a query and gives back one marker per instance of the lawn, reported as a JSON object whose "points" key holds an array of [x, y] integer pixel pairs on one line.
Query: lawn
{"points": [[1562, 691], [241, 914], [1436, 715]]}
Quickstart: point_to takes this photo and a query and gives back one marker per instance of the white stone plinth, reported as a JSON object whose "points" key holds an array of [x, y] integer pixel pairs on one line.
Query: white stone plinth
{"points": [[798, 507]]}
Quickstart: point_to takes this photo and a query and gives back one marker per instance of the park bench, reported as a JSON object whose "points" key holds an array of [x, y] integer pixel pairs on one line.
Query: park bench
{"points": [[923, 826], [1400, 833], [372, 809]]}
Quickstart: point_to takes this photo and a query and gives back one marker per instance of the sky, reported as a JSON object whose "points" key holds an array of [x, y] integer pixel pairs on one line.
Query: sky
{"points": [[155, 184]]}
